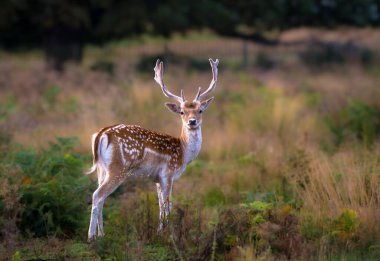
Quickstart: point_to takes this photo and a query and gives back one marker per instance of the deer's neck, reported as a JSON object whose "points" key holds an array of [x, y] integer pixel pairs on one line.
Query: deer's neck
{"points": [[191, 141]]}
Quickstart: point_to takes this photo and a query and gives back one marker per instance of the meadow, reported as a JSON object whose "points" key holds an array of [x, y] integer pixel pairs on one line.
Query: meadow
{"points": [[289, 167]]}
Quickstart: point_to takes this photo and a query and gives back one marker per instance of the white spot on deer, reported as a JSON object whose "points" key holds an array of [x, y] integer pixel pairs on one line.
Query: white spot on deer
{"points": [[122, 153]]}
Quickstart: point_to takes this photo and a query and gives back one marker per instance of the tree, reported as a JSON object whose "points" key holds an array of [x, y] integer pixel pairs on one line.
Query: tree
{"points": [[62, 27]]}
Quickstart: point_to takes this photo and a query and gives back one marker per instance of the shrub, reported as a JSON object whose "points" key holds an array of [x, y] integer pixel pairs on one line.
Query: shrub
{"points": [[356, 119], [7, 106], [54, 192], [214, 197], [345, 228], [50, 95]]}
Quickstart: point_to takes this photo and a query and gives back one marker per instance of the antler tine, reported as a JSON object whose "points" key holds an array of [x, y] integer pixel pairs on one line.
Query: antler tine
{"points": [[198, 93], [158, 77], [183, 95], [214, 67]]}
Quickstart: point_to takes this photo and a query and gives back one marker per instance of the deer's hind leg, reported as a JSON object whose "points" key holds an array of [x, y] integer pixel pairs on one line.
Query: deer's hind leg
{"points": [[109, 185], [101, 178]]}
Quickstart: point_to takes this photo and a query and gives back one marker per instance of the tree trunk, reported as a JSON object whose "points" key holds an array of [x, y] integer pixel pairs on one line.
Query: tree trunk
{"points": [[63, 44]]}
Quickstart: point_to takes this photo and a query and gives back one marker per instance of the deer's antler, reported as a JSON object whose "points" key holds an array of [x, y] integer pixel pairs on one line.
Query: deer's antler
{"points": [[158, 77], [214, 67]]}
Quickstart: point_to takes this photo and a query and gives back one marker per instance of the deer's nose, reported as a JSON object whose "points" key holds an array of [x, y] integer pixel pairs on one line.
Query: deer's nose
{"points": [[192, 122]]}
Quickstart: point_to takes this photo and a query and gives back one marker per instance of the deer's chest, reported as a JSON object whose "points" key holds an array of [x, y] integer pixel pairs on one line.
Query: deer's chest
{"points": [[193, 147]]}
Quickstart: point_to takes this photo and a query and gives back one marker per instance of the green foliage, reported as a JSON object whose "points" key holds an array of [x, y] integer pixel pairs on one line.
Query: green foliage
{"points": [[357, 120], [26, 159], [341, 231], [214, 197], [258, 206], [54, 249], [158, 253], [246, 160], [64, 106], [71, 105], [16, 256], [197, 167], [345, 226], [312, 229], [78, 250], [258, 212], [250, 198], [54, 191], [312, 99], [50, 95], [7, 106]]}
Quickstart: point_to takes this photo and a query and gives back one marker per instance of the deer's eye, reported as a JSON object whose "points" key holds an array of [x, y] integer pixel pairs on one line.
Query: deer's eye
{"points": [[200, 111], [182, 113]]}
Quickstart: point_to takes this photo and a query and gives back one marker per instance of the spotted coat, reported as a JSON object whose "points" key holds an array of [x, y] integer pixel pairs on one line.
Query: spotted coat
{"points": [[133, 144]]}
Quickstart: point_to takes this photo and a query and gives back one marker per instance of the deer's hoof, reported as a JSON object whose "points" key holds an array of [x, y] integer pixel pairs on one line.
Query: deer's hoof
{"points": [[91, 239]]}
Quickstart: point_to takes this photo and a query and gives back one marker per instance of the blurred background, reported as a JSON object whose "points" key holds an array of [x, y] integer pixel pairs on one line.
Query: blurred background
{"points": [[289, 166]]}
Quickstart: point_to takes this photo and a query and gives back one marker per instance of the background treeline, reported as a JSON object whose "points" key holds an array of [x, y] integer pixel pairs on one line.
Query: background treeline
{"points": [[31, 22], [42, 22]]}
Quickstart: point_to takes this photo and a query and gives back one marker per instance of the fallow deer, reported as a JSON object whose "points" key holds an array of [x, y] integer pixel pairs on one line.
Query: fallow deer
{"points": [[122, 151]]}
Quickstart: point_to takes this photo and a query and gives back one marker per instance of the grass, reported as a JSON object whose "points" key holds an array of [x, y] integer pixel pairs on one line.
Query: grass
{"points": [[289, 167]]}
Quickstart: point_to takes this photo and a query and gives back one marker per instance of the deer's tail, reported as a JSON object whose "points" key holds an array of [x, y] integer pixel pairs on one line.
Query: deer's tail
{"points": [[95, 150], [94, 145]]}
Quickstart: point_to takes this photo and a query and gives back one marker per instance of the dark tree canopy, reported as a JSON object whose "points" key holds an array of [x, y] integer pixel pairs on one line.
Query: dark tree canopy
{"points": [[63, 26]]}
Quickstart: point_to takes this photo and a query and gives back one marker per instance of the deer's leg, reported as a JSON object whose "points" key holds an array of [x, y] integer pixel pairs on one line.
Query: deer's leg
{"points": [[100, 219], [101, 193], [94, 216], [101, 175], [164, 190], [101, 178], [161, 206]]}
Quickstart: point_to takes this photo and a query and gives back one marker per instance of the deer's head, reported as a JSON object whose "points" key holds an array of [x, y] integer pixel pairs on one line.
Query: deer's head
{"points": [[190, 111]]}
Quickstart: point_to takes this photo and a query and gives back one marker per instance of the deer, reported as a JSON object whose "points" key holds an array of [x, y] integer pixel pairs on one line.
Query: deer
{"points": [[122, 151]]}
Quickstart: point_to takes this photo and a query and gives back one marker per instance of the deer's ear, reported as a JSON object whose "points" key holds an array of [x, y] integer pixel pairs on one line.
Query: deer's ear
{"points": [[173, 107], [206, 103]]}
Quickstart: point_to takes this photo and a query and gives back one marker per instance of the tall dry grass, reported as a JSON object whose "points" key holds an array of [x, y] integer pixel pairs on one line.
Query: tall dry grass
{"points": [[330, 184]]}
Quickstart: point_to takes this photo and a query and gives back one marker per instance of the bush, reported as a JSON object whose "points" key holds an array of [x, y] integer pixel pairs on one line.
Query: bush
{"points": [[54, 192], [214, 197], [345, 228], [50, 95], [357, 120]]}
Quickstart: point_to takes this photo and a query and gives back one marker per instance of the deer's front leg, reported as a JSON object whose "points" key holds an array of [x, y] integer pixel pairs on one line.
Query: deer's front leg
{"points": [[161, 206], [164, 191]]}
